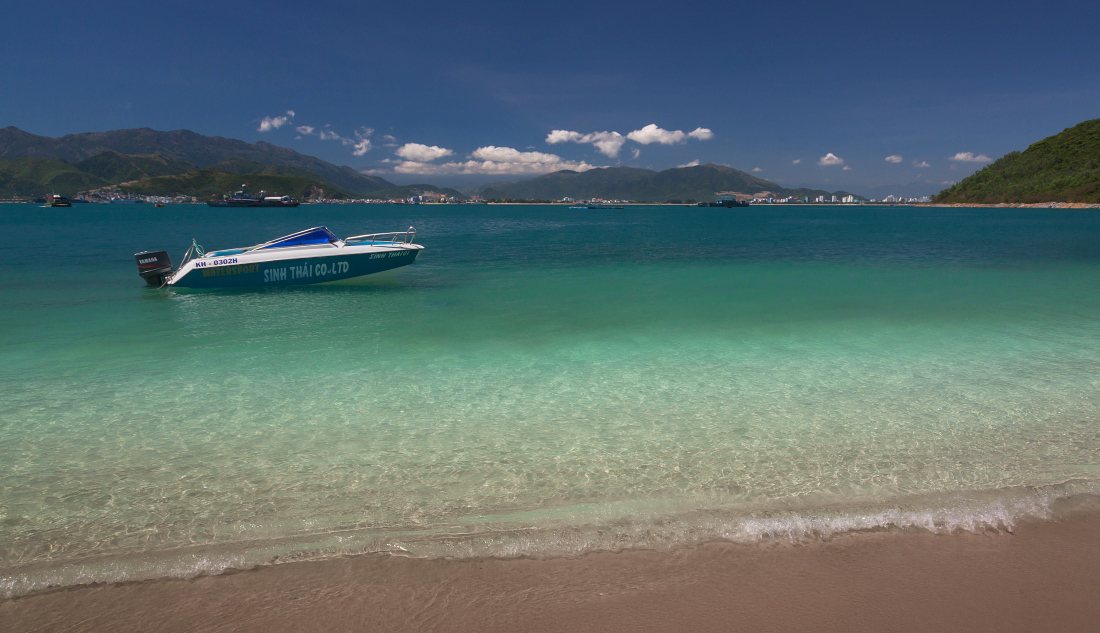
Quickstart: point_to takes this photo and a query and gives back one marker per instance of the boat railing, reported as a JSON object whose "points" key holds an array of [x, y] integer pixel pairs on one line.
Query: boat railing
{"points": [[397, 237]]}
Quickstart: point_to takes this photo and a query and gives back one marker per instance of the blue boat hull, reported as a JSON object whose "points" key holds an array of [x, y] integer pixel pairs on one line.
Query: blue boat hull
{"points": [[296, 272]]}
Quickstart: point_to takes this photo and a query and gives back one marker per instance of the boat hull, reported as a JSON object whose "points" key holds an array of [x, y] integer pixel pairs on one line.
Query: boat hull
{"points": [[295, 272]]}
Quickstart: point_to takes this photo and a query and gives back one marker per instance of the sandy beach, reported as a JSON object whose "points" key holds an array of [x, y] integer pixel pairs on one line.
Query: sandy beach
{"points": [[1041, 577]]}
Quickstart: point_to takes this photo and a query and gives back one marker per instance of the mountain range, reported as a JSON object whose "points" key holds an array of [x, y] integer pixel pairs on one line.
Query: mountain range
{"points": [[183, 146], [696, 182], [149, 162]]}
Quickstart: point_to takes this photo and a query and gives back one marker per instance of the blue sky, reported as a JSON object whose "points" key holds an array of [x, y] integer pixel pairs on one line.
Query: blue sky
{"points": [[808, 93]]}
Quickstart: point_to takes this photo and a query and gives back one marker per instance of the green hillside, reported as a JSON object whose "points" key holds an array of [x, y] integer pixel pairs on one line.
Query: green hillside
{"points": [[209, 182], [114, 168], [179, 145], [699, 183], [39, 176], [1061, 168]]}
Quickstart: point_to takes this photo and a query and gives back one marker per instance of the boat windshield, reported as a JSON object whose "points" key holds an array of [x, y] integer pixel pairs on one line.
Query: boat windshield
{"points": [[316, 235]]}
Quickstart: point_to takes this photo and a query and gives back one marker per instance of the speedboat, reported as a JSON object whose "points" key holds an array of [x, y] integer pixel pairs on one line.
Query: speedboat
{"points": [[312, 256]]}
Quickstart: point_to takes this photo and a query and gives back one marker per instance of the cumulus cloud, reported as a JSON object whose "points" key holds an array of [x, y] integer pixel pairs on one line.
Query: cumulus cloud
{"points": [[701, 133], [653, 134], [694, 163], [495, 161], [269, 123], [757, 169], [606, 143], [796, 161], [422, 153], [894, 158], [362, 146], [388, 141], [637, 152], [847, 168], [329, 135], [512, 155], [305, 129], [563, 136], [920, 164], [969, 157], [362, 141], [830, 159]]}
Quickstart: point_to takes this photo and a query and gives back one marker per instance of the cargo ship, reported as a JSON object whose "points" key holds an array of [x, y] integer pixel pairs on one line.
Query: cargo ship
{"points": [[725, 201]]}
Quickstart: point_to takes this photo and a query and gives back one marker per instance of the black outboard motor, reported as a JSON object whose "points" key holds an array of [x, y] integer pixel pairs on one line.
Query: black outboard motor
{"points": [[154, 266]]}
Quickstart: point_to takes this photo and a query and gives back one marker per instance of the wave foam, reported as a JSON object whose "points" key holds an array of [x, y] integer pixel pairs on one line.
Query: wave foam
{"points": [[999, 510]]}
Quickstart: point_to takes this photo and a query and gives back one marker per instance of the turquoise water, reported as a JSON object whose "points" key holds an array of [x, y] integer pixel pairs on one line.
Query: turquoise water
{"points": [[542, 381]]}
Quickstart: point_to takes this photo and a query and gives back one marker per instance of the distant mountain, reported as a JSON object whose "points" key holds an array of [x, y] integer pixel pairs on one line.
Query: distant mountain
{"points": [[112, 167], [699, 183], [38, 176], [179, 145], [208, 182], [1060, 168], [157, 176]]}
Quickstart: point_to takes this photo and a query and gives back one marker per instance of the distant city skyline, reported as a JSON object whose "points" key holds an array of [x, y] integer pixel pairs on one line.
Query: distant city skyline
{"points": [[855, 95]]}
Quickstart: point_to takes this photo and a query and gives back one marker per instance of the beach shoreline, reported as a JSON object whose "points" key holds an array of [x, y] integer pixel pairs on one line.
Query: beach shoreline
{"points": [[1042, 576]]}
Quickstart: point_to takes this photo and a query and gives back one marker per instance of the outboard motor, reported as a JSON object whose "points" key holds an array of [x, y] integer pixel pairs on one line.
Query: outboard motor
{"points": [[154, 266]]}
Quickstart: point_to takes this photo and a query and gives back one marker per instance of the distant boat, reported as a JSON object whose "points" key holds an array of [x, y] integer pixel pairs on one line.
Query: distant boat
{"points": [[244, 199], [159, 204], [593, 206], [725, 201], [123, 201], [54, 200]]}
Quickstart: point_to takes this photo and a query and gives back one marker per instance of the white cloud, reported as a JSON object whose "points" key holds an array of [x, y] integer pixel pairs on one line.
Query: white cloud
{"points": [[329, 135], [969, 157], [361, 147], [694, 163], [796, 161], [362, 143], [701, 133], [494, 161], [757, 169], [422, 153], [512, 155], [830, 159], [563, 136], [921, 164], [269, 123], [847, 168], [894, 158], [637, 152], [388, 141], [948, 182], [305, 129], [606, 143], [653, 134], [488, 167]]}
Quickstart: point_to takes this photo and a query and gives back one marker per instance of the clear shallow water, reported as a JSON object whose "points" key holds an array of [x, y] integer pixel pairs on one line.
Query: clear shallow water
{"points": [[542, 381]]}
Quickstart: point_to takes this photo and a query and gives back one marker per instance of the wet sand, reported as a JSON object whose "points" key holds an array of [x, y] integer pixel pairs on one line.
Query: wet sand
{"points": [[1042, 577]]}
